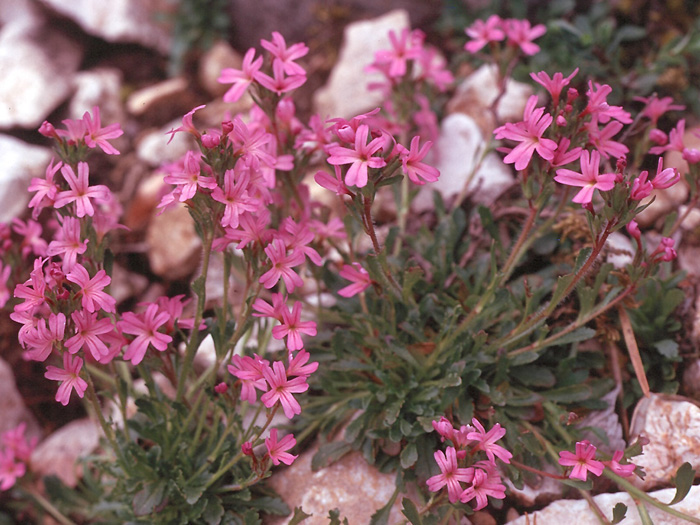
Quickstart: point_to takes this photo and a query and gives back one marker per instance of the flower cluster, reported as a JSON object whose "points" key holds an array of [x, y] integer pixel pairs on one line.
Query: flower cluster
{"points": [[518, 34], [15, 453], [583, 461], [460, 463]]}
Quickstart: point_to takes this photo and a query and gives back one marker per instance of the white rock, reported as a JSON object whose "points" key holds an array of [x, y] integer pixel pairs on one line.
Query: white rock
{"points": [[162, 93], [133, 21], [476, 94], [346, 94], [58, 454], [12, 406], [672, 425], [621, 251], [220, 56], [455, 154], [577, 512], [98, 87], [20, 162], [153, 147], [20, 12], [37, 65]]}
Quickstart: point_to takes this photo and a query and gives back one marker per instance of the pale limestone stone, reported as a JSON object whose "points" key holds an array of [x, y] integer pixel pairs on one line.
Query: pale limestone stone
{"points": [[213, 61], [620, 250], [346, 94], [20, 162], [38, 64], [155, 147], [133, 21], [672, 425], [577, 512], [456, 153], [98, 87], [162, 93], [173, 244], [58, 454], [12, 406]]}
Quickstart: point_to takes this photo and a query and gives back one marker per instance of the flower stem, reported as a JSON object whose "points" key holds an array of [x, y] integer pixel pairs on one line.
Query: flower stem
{"points": [[49, 507]]}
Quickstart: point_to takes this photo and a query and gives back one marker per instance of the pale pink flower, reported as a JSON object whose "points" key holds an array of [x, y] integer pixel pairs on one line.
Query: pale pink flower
{"points": [[520, 33], [582, 461], [10, 470], [187, 125], [603, 141], [250, 372], [145, 327], [235, 197], [482, 33], [68, 243], [33, 290], [624, 470], [529, 133], [665, 178], [190, 179], [277, 450], [46, 189], [360, 158], [80, 193], [407, 45], [359, 277], [286, 55], [655, 107], [282, 388], [450, 474], [279, 82], [242, 78], [675, 140], [32, 242], [69, 376], [88, 331], [15, 441], [417, 171], [96, 135], [92, 290], [41, 340], [553, 85], [282, 265], [588, 180]]}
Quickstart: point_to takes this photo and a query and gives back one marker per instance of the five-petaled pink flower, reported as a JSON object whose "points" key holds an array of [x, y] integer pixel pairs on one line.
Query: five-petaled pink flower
{"points": [[553, 85], [69, 376], [624, 470], [529, 133], [92, 291], [242, 78], [486, 482], [359, 277], [520, 33], [418, 172], [450, 474], [482, 33], [588, 180], [277, 450], [282, 388], [486, 441], [292, 327], [249, 371], [80, 191], [96, 135], [286, 55], [582, 461], [282, 265], [360, 158], [145, 327]]}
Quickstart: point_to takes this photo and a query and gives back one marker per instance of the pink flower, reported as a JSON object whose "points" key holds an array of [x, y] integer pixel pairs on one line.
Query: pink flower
{"points": [[655, 107], [603, 142], [96, 135], [553, 85], [486, 441], [298, 367], [46, 189], [69, 376], [32, 241], [641, 187], [277, 450], [675, 140], [282, 265], [359, 277], [360, 158], [529, 133], [563, 155], [486, 483], [240, 79], [482, 33], [80, 191], [521, 34], [88, 331], [417, 171], [249, 371], [32, 291], [335, 184], [5, 294], [282, 388], [15, 441], [279, 83], [145, 327], [10, 470], [599, 108], [618, 468], [235, 197], [286, 55], [292, 327], [187, 125], [91, 290], [190, 179], [582, 461], [41, 340], [298, 238], [450, 474], [68, 243], [665, 178], [404, 47], [589, 179]]}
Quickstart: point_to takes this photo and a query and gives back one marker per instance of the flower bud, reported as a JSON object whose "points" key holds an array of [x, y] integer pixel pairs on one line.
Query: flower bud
{"points": [[691, 155], [658, 137]]}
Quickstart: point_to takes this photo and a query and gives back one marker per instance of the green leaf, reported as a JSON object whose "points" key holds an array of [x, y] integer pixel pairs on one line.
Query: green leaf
{"points": [[685, 475], [619, 512], [299, 516], [411, 276], [569, 394], [580, 334], [409, 456], [381, 517], [149, 497], [334, 518], [667, 348], [411, 512], [214, 511], [329, 453], [560, 291]]}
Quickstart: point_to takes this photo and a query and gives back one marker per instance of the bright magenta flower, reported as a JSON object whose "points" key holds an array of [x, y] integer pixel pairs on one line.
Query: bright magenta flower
{"points": [[41, 340], [482, 33], [582, 461], [359, 277], [520, 33], [553, 85], [603, 141], [10, 469], [249, 371], [282, 265], [292, 327], [286, 55], [450, 474], [235, 197], [277, 450], [279, 82], [145, 327], [242, 78], [529, 133], [486, 441], [282, 388], [360, 158], [298, 367], [417, 171], [80, 191], [69, 376], [618, 468], [588, 180], [486, 482], [92, 290]]}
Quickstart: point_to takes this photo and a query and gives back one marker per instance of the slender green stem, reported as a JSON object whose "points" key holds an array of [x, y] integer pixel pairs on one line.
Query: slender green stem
{"points": [[106, 428], [49, 507], [193, 342], [641, 495]]}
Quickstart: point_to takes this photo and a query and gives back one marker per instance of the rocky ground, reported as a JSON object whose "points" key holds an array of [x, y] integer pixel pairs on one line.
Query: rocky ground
{"points": [[58, 59]]}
